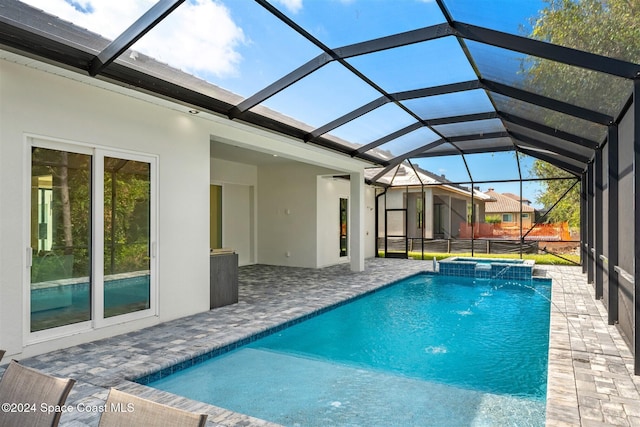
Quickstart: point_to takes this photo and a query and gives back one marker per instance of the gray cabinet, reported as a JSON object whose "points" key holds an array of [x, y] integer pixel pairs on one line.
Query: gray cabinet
{"points": [[223, 278]]}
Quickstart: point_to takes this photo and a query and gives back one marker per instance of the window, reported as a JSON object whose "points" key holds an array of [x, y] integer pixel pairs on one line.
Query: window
{"points": [[92, 236], [507, 217], [344, 214], [525, 216]]}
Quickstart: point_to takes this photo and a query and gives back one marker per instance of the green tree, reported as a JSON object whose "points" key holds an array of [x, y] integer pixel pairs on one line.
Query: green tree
{"points": [[604, 27], [568, 209], [126, 220]]}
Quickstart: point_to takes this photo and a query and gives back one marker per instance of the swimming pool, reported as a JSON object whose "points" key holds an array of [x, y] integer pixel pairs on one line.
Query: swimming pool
{"points": [[432, 350]]}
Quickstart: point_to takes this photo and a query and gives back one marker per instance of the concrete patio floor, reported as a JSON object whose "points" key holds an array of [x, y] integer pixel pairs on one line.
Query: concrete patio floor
{"points": [[590, 367]]}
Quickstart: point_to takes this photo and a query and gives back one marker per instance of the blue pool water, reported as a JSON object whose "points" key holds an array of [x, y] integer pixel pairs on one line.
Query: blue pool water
{"points": [[431, 350]]}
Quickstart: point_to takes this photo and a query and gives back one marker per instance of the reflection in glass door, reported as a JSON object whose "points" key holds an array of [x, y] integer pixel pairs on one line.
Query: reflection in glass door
{"points": [[91, 234], [60, 285], [127, 203]]}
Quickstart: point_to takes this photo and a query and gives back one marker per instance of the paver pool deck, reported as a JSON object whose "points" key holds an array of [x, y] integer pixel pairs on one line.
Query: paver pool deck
{"points": [[590, 383]]}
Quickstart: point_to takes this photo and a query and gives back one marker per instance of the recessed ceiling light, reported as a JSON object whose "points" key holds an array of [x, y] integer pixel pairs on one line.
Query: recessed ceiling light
{"points": [[193, 111]]}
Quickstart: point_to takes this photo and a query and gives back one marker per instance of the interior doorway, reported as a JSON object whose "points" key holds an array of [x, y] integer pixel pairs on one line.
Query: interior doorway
{"points": [[215, 216]]}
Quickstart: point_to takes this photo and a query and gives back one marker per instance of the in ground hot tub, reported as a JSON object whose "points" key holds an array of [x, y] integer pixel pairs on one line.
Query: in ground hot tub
{"points": [[487, 268]]}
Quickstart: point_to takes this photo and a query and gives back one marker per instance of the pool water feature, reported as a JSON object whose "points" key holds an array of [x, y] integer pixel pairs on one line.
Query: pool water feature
{"points": [[489, 260], [487, 268], [431, 350]]}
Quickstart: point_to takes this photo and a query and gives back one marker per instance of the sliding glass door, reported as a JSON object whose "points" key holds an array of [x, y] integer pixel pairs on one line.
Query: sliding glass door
{"points": [[127, 245], [91, 236], [60, 238]]}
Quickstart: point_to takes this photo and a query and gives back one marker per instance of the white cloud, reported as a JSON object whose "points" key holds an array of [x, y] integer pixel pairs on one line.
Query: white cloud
{"points": [[199, 37], [107, 17], [294, 6]]}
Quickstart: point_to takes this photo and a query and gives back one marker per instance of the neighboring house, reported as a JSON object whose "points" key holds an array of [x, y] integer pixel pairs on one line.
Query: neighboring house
{"points": [[507, 208], [435, 208]]}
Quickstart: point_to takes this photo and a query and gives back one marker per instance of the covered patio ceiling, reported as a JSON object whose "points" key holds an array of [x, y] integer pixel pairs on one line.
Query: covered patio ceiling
{"points": [[382, 81]]}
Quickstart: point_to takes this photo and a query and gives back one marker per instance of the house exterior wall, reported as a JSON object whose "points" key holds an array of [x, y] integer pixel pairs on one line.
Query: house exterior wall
{"points": [[239, 197], [54, 107], [370, 241], [237, 221], [287, 210], [444, 200], [414, 229], [428, 213], [57, 105], [393, 199], [526, 222], [458, 215], [480, 211], [225, 171], [329, 193]]}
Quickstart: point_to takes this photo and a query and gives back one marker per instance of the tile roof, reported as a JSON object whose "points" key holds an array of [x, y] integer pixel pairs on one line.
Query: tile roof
{"points": [[516, 197], [505, 203], [415, 176]]}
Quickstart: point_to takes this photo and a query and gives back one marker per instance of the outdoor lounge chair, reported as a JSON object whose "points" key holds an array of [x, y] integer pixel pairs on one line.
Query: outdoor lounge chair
{"points": [[124, 409], [34, 394]]}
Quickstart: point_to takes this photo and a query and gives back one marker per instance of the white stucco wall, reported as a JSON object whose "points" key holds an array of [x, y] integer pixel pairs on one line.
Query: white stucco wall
{"points": [[225, 171], [370, 222], [394, 199], [239, 183], [50, 106], [237, 221], [428, 213], [329, 193], [287, 214]]}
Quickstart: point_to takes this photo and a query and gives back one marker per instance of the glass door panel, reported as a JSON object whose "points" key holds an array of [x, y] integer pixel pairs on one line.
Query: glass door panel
{"points": [[344, 218], [127, 208], [60, 285]]}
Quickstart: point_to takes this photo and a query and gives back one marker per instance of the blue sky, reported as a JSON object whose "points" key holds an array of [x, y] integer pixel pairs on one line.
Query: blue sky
{"points": [[238, 45]]}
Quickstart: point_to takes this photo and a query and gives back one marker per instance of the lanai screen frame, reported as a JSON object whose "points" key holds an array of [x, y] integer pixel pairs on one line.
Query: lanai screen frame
{"points": [[473, 190], [27, 39]]}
